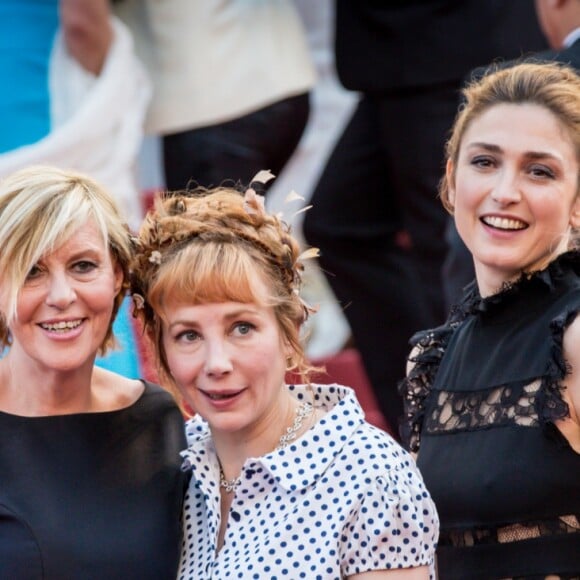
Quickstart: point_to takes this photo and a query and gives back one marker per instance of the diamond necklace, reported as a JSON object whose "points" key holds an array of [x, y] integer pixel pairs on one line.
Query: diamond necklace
{"points": [[303, 411]]}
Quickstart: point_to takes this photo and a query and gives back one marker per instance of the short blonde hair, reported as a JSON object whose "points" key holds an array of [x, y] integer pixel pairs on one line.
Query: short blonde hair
{"points": [[205, 246], [554, 86], [40, 208]]}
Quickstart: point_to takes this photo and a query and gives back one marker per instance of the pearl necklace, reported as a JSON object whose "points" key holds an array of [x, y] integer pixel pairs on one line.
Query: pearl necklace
{"points": [[303, 411]]}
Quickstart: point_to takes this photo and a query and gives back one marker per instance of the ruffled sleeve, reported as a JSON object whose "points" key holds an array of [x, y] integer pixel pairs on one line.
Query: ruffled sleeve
{"points": [[550, 404], [395, 525], [428, 350]]}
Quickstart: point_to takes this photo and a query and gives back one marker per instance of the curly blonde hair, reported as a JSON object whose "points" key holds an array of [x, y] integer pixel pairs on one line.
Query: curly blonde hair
{"points": [[210, 245]]}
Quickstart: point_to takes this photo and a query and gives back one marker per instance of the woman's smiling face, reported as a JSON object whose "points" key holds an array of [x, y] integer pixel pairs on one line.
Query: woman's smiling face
{"points": [[228, 360], [514, 191], [65, 306]]}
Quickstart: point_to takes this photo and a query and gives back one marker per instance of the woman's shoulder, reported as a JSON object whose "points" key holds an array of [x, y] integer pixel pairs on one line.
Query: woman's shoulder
{"points": [[428, 349], [374, 443], [118, 392]]}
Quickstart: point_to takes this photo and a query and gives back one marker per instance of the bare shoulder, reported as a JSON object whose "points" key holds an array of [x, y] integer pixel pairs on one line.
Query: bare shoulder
{"points": [[571, 346], [572, 340], [113, 391], [570, 426]]}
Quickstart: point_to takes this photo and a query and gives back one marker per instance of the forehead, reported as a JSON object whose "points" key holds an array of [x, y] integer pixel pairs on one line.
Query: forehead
{"points": [[215, 311], [86, 237], [524, 126], [219, 314]]}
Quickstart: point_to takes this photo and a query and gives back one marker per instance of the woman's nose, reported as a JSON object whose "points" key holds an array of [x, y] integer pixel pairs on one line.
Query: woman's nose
{"points": [[506, 189], [60, 292], [217, 361]]}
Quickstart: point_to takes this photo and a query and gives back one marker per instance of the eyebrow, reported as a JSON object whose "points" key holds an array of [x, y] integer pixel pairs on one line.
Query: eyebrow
{"points": [[93, 250], [229, 316], [77, 254], [487, 146], [497, 149]]}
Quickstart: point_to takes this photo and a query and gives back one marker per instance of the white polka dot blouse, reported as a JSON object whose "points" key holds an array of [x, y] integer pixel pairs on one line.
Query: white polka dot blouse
{"points": [[342, 499]]}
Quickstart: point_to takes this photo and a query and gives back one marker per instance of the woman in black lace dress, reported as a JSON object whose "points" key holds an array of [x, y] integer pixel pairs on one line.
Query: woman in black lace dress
{"points": [[493, 396]]}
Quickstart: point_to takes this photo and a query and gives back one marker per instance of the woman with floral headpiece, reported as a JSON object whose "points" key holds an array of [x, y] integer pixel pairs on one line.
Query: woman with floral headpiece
{"points": [[287, 480]]}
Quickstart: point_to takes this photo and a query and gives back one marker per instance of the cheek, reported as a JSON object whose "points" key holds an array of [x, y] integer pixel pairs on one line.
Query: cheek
{"points": [[272, 363], [103, 295], [184, 366], [549, 213], [462, 190], [467, 199], [27, 303]]}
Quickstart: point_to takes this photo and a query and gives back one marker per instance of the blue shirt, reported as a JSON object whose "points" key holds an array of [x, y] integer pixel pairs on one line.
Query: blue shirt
{"points": [[27, 31]]}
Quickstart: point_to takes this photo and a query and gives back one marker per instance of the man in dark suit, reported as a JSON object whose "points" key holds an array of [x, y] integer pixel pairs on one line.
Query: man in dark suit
{"points": [[375, 216], [559, 22]]}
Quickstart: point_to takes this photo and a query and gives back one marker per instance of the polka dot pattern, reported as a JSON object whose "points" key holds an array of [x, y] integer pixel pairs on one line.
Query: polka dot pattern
{"points": [[342, 499]]}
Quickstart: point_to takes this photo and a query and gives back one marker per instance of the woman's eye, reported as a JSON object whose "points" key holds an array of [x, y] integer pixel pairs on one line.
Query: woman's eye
{"points": [[187, 336], [84, 266], [541, 171], [481, 161], [33, 273], [243, 328]]}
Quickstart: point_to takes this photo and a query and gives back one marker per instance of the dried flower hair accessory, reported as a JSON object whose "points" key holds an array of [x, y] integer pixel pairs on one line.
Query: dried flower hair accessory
{"points": [[293, 196], [308, 254], [155, 257], [254, 203], [263, 176]]}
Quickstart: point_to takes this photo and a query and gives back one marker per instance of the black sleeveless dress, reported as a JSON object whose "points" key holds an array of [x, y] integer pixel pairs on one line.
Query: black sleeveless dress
{"points": [[481, 403], [93, 495]]}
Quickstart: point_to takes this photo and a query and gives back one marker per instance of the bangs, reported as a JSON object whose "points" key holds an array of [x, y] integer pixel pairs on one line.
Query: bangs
{"points": [[32, 231], [208, 272], [53, 224]]}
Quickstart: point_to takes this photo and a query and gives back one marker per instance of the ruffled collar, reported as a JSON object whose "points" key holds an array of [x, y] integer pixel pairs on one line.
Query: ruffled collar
{"points": [[549, 278]]}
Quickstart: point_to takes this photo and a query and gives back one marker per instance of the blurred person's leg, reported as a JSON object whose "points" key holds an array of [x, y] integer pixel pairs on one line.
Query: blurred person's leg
{"points": [[237, 149], [415, 125], [355, 223]]}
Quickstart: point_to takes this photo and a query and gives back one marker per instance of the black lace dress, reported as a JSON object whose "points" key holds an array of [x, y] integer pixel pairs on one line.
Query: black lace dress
{"points": [[481, 403]]}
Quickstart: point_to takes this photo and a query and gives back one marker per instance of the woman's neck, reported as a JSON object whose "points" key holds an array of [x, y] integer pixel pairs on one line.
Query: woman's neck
{"points": [[491, 281], [234, 448], [30, 391]]}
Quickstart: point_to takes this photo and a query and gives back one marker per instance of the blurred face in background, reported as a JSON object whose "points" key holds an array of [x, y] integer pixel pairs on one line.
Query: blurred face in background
{"points": [[550, 14]]}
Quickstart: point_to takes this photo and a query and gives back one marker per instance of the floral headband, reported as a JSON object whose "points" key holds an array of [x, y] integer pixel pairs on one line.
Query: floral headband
{"points": [[179, 231]]}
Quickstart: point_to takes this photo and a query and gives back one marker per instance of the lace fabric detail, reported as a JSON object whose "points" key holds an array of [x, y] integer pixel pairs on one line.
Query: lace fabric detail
{"points": [[415, 388], [517, 532], [505, 405], [430, 345], [473, 303]]}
